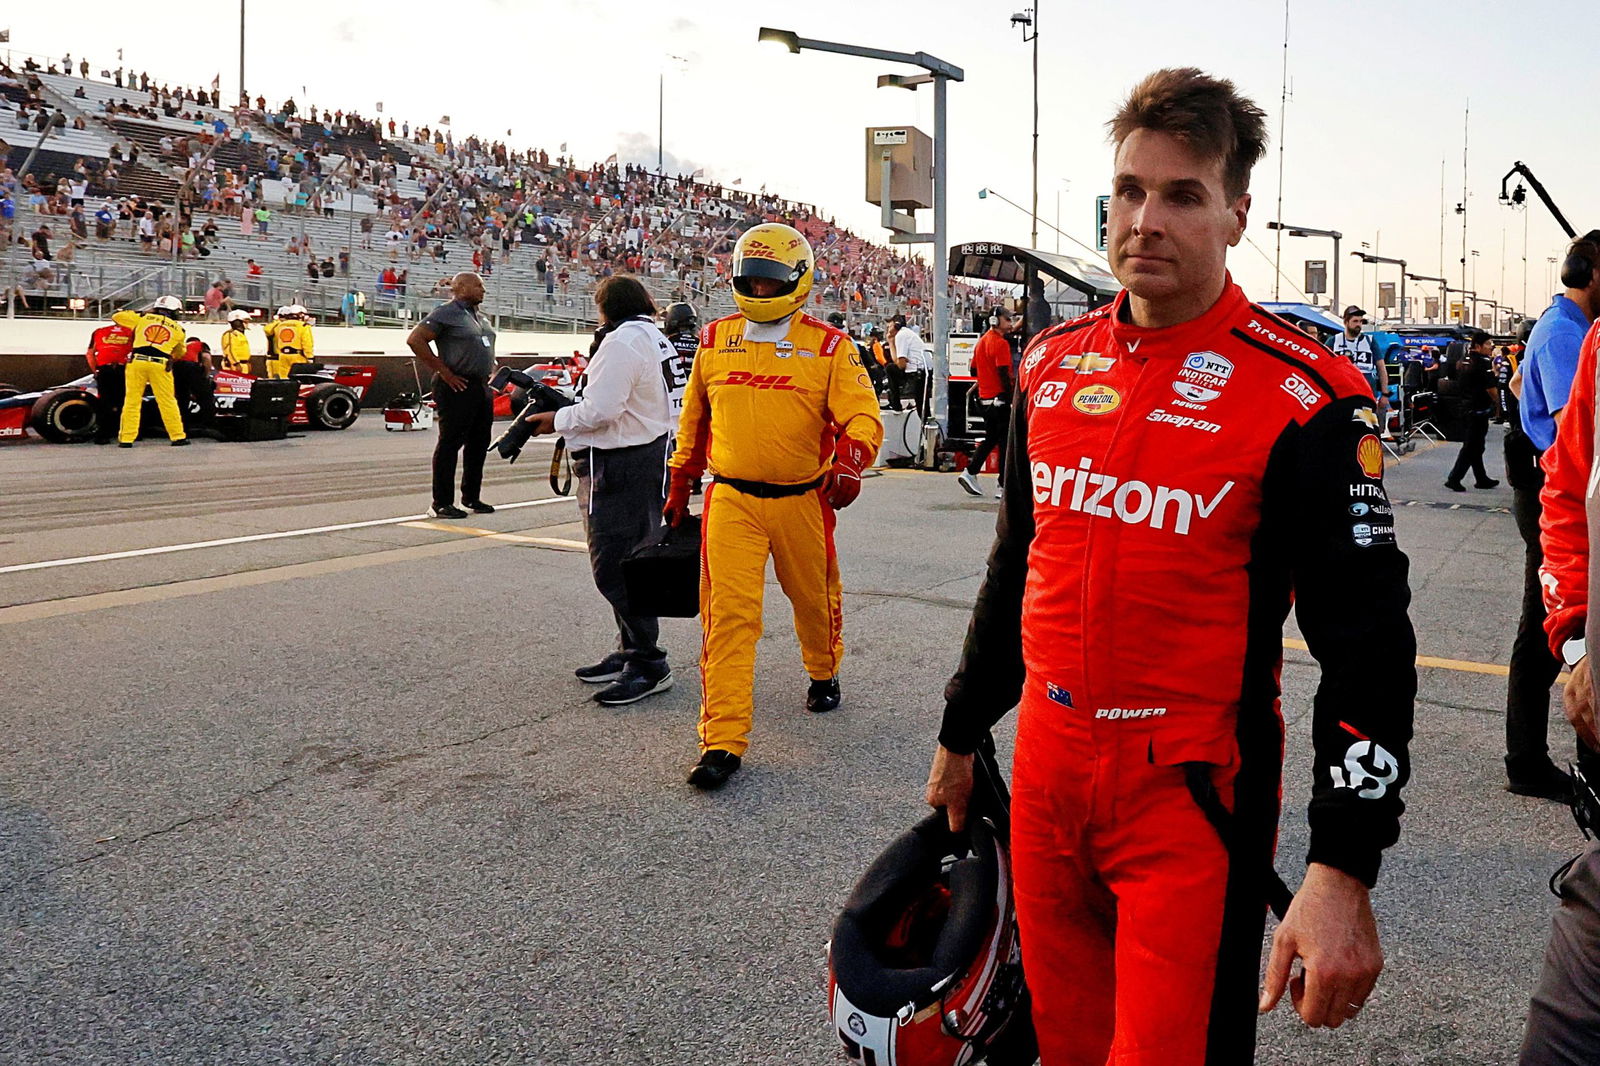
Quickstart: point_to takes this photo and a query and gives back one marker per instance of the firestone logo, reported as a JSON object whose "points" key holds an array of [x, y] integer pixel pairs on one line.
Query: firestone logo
{"points": [[1133, 502], [1288, 342]]}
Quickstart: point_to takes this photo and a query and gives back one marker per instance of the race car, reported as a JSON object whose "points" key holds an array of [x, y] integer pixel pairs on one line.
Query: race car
{"points": [[329, 397], [560, 372]]}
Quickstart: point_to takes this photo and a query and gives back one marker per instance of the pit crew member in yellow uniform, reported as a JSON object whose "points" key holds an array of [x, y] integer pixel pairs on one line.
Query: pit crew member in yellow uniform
{"points": [[292, 339], [157, 339], [781, 409], [236, 343]]}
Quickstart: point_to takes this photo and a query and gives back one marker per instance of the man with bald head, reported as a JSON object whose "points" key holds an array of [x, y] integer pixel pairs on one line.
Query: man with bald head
{"points": [[461, 360]]}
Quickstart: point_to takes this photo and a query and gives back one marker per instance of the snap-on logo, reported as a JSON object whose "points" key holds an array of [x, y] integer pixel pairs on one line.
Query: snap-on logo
{"points": [[779, 382], [1182, 421], [1107, 496], [1115, 713]]}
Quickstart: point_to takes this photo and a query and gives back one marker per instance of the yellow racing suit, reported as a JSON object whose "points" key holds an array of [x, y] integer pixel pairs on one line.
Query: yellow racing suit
{"points": [[291, 344], [766, 417], [156, 341], [236, 350]]}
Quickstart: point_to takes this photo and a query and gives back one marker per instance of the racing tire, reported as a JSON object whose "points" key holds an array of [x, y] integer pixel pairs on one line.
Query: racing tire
{"points": [[331, 406], [65, 416], [8, 391]]}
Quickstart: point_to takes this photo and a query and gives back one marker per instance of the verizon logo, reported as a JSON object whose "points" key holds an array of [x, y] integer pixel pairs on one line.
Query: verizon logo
{"points": [[1107, 496]]}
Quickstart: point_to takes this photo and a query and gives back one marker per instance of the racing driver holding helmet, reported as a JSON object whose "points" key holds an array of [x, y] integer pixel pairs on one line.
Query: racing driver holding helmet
{"points": [[1183, 442], [780, 408]]}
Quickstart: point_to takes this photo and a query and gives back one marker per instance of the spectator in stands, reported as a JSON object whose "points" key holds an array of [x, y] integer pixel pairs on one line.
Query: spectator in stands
{"points": [[213, 301], [252, 270], [41, 242], [263, 216], [326, 268], [311, 271]]}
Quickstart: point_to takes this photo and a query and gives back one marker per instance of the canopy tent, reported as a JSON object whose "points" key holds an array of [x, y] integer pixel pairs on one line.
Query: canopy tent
{"points": [[1013, 265]]}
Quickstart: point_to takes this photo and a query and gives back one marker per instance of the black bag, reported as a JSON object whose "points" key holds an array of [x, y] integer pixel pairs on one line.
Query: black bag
{"points": [[662, 575]]}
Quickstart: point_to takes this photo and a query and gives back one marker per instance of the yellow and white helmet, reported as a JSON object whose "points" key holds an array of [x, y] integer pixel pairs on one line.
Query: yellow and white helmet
{"points": [[782, 253]]}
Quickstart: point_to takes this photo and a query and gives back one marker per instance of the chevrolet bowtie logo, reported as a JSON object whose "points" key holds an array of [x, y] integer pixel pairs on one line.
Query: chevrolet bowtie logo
{"points": [[1088, 362], [1366, 416]]}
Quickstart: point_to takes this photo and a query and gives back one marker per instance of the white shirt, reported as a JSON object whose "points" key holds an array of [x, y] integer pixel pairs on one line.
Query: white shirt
{"points": [[624, 398], [909, 346]]}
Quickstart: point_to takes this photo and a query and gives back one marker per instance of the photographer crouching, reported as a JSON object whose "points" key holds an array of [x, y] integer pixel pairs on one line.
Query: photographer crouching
{"points": [[619, 432]]}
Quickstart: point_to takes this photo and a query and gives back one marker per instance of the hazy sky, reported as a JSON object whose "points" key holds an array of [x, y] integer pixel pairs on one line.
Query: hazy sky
{"points": [[1378, 91]]}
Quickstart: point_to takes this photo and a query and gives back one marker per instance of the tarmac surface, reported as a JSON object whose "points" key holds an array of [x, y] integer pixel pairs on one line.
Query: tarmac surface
{"points": [[335, 797]]}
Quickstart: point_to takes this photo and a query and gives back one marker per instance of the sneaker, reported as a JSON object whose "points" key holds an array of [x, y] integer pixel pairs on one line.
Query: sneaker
{"points": [[608, 669], [479, 507], [181, 442], [1491, 483], [970, 483], [823, 696], [446, 511], [124, 444], [714, 769], [1551, 783], [1455, 486], [633, 686], [1000, 493]]}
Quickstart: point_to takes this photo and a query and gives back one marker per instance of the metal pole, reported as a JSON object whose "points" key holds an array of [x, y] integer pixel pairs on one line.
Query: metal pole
{"points": [[941, 266], [1035, 241], [1402, 292], [1337, 306], [661, 122], [241, 53]]}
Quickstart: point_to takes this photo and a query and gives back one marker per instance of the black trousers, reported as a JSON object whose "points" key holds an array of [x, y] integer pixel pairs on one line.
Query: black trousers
{"points": [[1564, 1023], [465, 421], [1533, 668], [1471, 454], [112, 385], [996, 426], [189, 383], [621, 492], [908, 383]]}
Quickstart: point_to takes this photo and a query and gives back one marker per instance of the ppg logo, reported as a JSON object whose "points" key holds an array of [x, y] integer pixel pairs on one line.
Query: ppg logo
{"points": [[1049, 394]]}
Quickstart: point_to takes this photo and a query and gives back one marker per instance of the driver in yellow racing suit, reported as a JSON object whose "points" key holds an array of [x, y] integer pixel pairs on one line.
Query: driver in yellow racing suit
{"points": [[779, 406]]}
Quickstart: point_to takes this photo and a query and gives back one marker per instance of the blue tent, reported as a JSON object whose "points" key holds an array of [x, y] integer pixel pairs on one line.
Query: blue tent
{"points": [[1298, 313]]}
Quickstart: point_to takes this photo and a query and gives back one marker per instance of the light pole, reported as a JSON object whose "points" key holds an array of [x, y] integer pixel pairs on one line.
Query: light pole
{"points": [[1368, 257], [241, 54], [1307, 231], [1068, 183], [1028, 19], [1444, 291], [1471, 318], [941, 74], [661, 115]]}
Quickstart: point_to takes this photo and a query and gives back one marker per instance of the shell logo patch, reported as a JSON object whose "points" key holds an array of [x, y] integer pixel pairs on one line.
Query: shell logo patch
{"points": [[1369, 453], [1097, 399], [157, 335]]}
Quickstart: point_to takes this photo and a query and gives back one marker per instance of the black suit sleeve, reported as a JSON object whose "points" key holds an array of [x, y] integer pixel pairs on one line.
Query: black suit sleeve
{"points": [[1351, 600], [988, 683]]}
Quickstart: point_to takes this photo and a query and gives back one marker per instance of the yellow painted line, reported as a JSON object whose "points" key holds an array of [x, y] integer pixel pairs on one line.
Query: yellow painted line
{"points": [[511, 538], [1463, 665]]}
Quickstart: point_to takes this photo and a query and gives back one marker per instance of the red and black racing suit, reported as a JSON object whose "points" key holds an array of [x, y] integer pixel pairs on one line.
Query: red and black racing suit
{"points": [[1170, 493]]}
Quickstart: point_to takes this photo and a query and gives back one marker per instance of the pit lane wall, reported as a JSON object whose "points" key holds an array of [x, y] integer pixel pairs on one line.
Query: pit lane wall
{"points": [[41, 353]]}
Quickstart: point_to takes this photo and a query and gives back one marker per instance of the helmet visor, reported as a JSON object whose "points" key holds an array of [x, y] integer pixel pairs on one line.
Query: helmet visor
{"points": [[749, 267]]}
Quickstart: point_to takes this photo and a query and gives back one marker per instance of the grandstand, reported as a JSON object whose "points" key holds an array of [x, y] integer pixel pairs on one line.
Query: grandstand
{"points": [[394, 208]]}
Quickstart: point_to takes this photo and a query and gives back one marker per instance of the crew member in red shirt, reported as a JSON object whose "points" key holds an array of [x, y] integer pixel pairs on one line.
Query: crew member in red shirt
{"points": [[1184, 467], [108, 362], [991, 365], [191, 384]]}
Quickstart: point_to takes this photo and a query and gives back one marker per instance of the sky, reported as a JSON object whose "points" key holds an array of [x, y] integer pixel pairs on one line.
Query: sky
{"points": [[1379, 92]]}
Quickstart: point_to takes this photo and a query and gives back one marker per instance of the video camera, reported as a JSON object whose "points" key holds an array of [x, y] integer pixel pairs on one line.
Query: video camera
{"points": [[541, 398]]}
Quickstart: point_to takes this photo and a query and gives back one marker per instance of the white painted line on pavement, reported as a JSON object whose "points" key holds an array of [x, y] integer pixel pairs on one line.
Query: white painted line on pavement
{"points": [[557, 543], [165, 549]]}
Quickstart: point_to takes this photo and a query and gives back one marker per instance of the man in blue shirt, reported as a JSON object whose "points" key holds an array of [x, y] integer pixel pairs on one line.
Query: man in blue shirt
{"points": [[1545, 379]]}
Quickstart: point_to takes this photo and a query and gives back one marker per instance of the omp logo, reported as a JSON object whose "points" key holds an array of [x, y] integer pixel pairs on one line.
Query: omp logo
{"points": [[1107, 496], [779, 382], [1115, 713], [1301, 390], [1049, 394], [1288, 342]]}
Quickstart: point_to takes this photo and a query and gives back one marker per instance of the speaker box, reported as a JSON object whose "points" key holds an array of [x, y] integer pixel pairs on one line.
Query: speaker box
{"points": [[269, 399]]}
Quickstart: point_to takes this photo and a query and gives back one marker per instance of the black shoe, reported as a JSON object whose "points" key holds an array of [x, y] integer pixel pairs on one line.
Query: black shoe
{"points": [[447, 511], [181, 442], [124, 444], [714, 769], [607, 669], [633, 686], [1455, 486], [478, 507], [1492, 483], [823, 696], [1551, 783]]}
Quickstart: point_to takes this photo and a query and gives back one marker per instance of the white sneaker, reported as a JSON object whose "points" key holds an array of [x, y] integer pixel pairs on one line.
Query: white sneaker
{"points": [[970, 483], [1000, 493]]}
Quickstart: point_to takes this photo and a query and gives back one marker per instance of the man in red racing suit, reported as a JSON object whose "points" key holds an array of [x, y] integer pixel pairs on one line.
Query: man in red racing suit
{"points": [[1171, 491]]}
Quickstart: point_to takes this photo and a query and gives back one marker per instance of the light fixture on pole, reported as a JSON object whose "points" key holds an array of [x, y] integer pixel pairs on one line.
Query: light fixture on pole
{"points": [[661, 113], [1368, 257], [1444, 291], [1309, 231], [1028, 19], [940, 73]]}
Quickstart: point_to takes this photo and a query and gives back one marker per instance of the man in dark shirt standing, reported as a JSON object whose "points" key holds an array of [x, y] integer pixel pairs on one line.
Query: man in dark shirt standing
{"points": [[461, 370], [1482, 399]]}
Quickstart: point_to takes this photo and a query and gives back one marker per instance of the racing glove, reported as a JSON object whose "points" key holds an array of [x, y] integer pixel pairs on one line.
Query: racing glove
{"points": [[677, 508], [850, 457]]}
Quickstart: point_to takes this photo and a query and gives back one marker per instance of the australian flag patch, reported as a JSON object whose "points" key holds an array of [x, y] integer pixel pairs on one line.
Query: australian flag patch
{"points": [[1058, 694]]}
